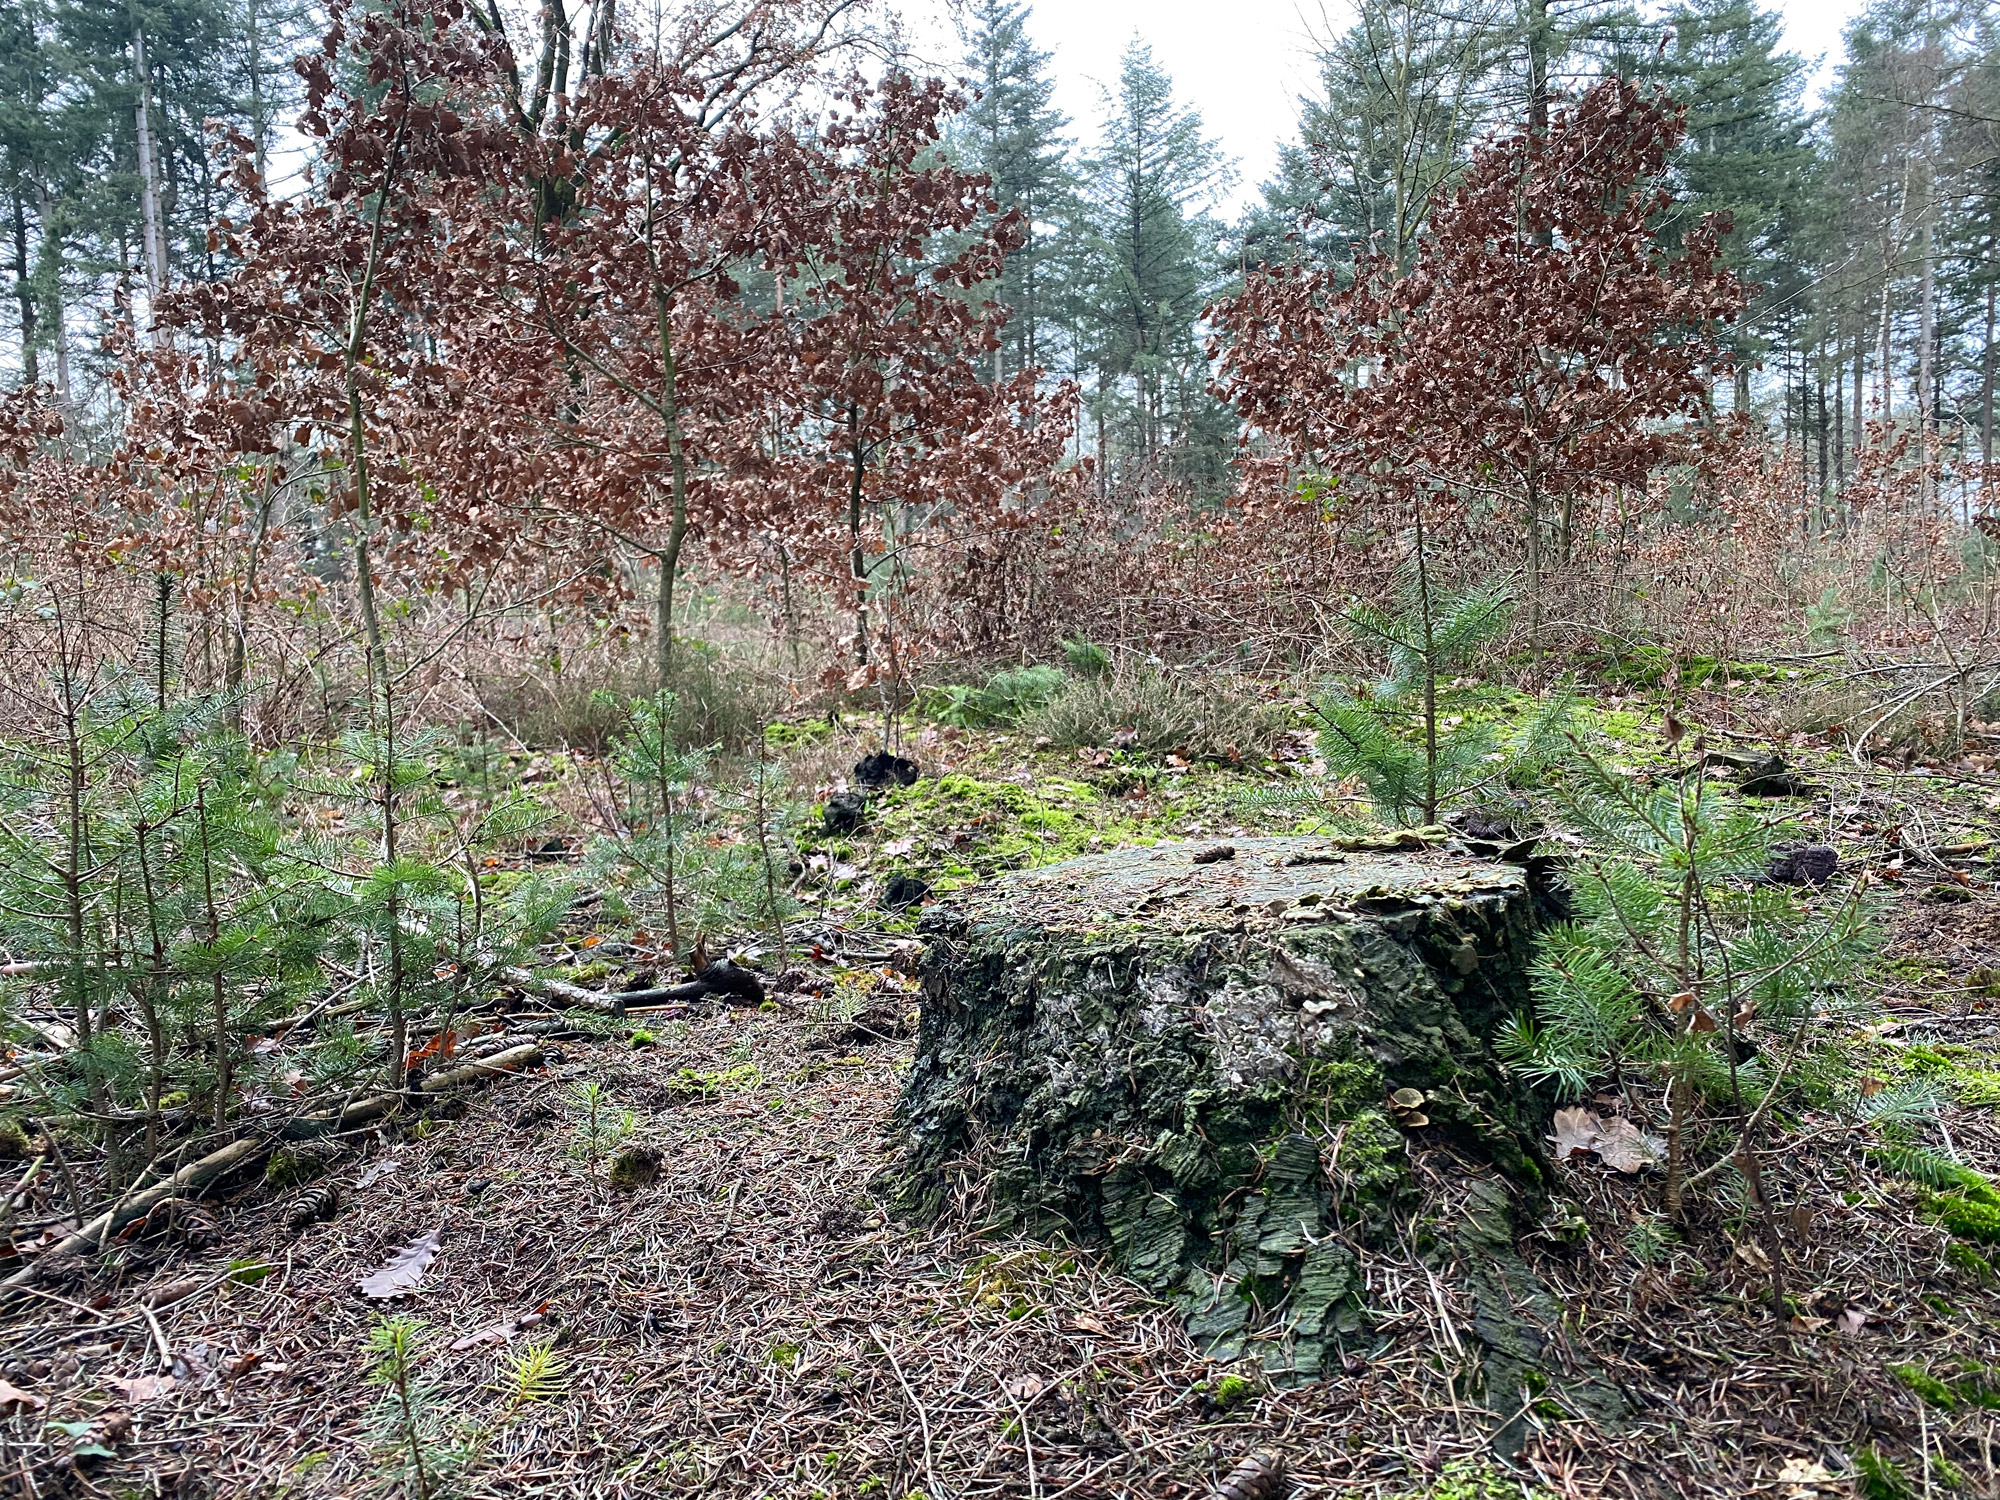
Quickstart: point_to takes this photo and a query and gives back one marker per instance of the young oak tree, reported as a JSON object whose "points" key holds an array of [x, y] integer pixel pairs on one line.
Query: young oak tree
{"points": [[884, 414], [627, 282], [1540, 348]]}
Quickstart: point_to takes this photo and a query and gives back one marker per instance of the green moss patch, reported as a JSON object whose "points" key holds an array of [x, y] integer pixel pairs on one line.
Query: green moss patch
{"points": [[960, 829], [1471, 1479], [1927, 1387], [782, 735], [1650, 666]]}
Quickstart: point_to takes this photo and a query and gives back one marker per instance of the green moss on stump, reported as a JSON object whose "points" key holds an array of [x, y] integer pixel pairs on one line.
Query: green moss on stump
{"points": [[1191, 1060]]}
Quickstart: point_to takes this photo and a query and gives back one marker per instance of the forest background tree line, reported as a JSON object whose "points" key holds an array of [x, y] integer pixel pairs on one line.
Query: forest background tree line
{"points": [[575, 303], [1866, 224]]}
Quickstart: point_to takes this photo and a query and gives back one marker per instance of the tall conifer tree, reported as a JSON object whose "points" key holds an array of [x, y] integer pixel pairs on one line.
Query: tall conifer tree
{"points": [[1403, 93], [1013, 133], [1155, 252], [1747, 152]]}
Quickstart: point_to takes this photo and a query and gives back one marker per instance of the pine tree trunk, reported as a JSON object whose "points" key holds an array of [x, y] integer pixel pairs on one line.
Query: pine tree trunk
{"points": [[24, 291], [1839, 421], [1825, 442], [260, 120], [1927, 339], [1538, 68], [1986, 367], [1883, 361], [1860, 380], [1103, 457], [149, 193], [48, 272]]}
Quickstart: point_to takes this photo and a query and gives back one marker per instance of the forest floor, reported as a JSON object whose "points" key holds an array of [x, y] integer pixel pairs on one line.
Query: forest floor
{"points": [[754, 1321]]}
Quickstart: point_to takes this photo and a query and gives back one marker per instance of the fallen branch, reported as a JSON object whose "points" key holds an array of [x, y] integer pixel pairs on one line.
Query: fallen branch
{"points": [[722, 978], [363, 1111], [1960, 675], [195, 1174], [1970, 846], [562, 990], [242, 1153]]}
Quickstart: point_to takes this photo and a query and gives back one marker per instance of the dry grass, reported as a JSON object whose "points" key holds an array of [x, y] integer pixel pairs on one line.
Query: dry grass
{"points": [[1160, 710]]}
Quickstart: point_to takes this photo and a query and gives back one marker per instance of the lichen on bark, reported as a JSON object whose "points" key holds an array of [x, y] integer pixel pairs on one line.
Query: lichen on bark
{"points": [[1190, 1055]]}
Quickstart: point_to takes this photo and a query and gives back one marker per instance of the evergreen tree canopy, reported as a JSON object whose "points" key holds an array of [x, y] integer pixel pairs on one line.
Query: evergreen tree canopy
{"points": [[1154, 263], [1013, 133], [1403, 93], [1747, 152]]}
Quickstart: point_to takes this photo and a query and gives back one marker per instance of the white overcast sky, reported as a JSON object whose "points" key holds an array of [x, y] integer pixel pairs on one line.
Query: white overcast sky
{"points": [[1242, 63]]}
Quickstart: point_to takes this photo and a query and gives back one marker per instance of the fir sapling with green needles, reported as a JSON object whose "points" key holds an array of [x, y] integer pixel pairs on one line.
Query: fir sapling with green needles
{"points": [[1684, 970], [1416, 739]]}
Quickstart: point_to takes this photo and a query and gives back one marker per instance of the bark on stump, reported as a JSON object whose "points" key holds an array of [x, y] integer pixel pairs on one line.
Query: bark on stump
{"points": [[1192, 1053]]}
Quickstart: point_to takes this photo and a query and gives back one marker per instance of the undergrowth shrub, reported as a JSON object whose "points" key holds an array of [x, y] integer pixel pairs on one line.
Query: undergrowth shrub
{"points": [[1417, 739], [1008, 695], [175, 895], [1157, 710], [578, 708], [415, 1442], [1683, 968], [719, 703], [686, 855], [1086, 658], [1915, 711]]}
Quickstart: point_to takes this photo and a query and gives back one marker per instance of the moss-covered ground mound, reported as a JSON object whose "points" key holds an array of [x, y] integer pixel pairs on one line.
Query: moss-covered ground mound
{"points": [[1212, 1056]]}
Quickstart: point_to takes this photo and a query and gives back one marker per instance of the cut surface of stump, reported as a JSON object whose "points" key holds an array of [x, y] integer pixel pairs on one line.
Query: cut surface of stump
{"points": [[1213, 1058]]}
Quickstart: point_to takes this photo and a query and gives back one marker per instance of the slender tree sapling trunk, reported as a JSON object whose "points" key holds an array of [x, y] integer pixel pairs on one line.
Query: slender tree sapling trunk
{"points": [[224, 1053], [857, 558], [381, 685], [677, 526], [151, 988]]}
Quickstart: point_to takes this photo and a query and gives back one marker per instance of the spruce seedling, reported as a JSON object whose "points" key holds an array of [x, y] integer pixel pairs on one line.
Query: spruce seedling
{"points": [[1685, 967], [403, 1416], [1415, 742], [535, 1374], [662, 773], [601, 1129]]}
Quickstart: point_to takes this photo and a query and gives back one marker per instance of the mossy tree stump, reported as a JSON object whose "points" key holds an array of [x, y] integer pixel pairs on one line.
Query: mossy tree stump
{"points": [[1192, 1053]]}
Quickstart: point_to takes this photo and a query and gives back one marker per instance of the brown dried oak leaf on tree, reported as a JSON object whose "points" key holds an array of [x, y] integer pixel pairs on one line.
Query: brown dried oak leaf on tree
{"points": [[1540, 349]]}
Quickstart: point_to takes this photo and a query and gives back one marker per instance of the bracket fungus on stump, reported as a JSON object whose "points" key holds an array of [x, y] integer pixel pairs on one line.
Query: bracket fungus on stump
{"points": [[1212, 1057]]}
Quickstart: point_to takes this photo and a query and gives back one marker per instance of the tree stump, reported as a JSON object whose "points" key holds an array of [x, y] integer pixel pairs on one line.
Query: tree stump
{"points": [[1195, 1052]]}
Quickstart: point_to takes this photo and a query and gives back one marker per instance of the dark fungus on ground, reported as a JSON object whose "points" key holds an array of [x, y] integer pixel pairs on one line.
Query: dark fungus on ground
{"points": [[1803, 864], [845, 812], [881, 769], [904, 891]]}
